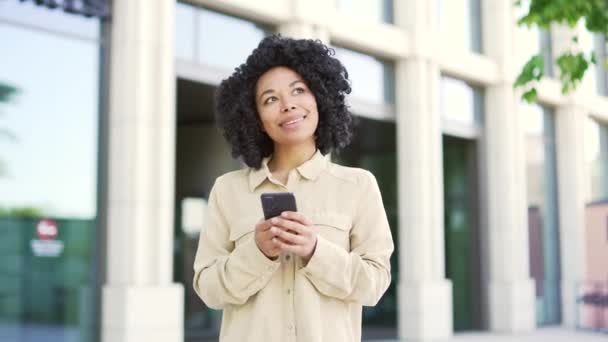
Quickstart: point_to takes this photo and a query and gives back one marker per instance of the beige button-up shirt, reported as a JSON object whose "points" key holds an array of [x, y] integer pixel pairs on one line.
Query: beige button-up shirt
{"points": [[285, 300]]}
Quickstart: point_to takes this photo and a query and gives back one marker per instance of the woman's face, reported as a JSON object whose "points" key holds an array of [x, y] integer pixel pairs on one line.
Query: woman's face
{"points": [[287, 107]]}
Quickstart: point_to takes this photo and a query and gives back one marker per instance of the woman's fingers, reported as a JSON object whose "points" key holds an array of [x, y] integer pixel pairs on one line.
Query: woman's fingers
{"points": [[296, 216], [263, 225], [288, 248], [294, 234], [287, 236], [294, 226]]}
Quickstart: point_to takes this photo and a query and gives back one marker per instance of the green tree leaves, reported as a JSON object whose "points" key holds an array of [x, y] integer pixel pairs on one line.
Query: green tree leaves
{"points": [[572, 65], [533, 70], [572, 69]]}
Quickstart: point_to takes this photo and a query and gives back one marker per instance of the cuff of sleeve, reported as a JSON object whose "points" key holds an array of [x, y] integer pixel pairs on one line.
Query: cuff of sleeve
{"points": [[256, 261], [326, 258]]}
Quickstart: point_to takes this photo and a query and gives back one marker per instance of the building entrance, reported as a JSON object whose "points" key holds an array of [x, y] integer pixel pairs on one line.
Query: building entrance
{"points": [[462, 254]]}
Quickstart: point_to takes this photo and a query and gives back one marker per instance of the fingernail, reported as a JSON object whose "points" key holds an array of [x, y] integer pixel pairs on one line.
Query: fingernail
{"points": [[284, 214], [274, 220]]}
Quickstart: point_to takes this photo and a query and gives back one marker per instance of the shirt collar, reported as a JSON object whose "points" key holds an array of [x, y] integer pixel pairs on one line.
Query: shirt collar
{"points": [[310, 169]]}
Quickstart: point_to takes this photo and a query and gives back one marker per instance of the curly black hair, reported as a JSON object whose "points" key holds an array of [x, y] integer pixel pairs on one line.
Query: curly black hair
{"points": [[235, 107]]}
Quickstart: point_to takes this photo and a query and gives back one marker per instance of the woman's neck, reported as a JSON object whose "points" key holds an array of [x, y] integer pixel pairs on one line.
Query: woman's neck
{"points": [[285, 159]]}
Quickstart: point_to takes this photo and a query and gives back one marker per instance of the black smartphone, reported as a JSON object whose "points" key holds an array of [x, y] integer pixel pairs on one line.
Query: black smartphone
{"points": [[274, 203]]}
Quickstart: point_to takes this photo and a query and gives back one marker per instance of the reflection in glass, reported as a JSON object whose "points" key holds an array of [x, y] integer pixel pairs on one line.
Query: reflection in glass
{"points": [[198, 37], [377, 10], [460, 102], [460, 20], [372, 80], [596, 156], [48, 185], [543, 225]]}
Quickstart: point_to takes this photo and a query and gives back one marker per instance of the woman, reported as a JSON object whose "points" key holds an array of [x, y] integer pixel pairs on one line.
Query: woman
{"points": [[302, 276]]}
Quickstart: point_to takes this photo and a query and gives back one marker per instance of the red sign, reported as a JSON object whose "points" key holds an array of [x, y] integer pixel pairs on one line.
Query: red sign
{"points": [[47, 229]]}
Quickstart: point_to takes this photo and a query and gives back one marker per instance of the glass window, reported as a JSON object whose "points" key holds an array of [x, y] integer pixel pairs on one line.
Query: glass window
{"points": [[372, 79], [460, 20], [377, 10], [460, 102], [197, 38], [596, 153], [601, 52], [587, 45], [530, 41], [49, 86], [543, 225], [185, 18], [31, 15]]}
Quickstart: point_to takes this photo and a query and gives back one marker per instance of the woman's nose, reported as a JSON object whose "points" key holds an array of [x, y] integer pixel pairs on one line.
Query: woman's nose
{"points": [[287, 108]]}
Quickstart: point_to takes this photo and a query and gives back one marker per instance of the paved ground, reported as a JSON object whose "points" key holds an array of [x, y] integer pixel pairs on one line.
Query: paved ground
{"points": [[540, 335]]}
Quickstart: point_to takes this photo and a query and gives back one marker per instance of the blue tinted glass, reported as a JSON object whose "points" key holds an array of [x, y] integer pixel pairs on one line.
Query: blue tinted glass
{"points": [[53, 115], [49, 86], [27, 13], [185, 28], [459, 101], [230, 48], [377, 10], [372, 80]]}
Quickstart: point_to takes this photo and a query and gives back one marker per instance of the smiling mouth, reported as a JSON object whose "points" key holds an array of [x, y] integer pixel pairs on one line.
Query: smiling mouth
{"points": [[293, 122]]}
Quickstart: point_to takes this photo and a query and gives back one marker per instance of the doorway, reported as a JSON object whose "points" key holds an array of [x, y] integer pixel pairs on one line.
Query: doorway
{"points": [[461, 229], [201, 156]]}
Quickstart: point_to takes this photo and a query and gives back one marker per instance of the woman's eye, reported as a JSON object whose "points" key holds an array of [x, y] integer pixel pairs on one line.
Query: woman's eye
{"points": [[270, 100], [298, 90]]}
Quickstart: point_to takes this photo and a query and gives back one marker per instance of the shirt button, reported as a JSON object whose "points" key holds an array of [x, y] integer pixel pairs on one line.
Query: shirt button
{"points": [[287, 257], [288, 291]]}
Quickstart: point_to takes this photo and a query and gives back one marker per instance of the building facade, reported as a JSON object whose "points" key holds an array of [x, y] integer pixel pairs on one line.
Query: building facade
{"points": [[108, 151]]}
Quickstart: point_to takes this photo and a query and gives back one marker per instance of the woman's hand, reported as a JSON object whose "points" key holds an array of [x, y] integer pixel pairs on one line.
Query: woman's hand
{"points": [[264, 239], [294, 233]]}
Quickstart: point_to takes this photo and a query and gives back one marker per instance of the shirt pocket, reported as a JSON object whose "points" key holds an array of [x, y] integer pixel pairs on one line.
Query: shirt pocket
{"points": [[242, 229], [334, 228]]}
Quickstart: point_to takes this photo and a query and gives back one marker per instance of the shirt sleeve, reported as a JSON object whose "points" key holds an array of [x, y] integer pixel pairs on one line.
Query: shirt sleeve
{"points": [[225, 274], [364, 273]]}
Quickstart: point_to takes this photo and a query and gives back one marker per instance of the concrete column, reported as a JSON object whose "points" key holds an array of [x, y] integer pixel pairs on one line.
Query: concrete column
{"points": [[571, 179], [510, 290], [309, 18], [140, 302], [571, 173], [425, 295]]}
